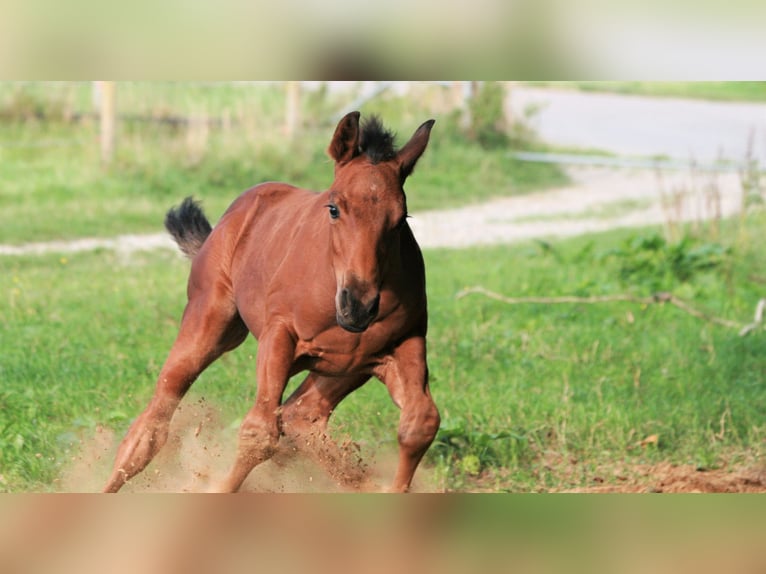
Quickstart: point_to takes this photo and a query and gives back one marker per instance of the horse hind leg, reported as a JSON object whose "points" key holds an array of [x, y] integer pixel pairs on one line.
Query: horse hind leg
{"points": [[304, 423], [207, 331]]}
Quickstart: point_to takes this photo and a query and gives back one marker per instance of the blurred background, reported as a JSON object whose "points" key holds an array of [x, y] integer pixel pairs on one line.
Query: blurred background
{"points": [[108, 158]]}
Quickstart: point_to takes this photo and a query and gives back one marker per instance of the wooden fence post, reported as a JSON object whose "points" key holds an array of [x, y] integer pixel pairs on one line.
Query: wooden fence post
{"points": [[108, 116], [462, 93], [292, 112], [508, 118]]}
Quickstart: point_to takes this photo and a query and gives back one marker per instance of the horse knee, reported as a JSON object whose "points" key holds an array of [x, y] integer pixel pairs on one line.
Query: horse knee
{"points": [[257, 440], [419, 429]]}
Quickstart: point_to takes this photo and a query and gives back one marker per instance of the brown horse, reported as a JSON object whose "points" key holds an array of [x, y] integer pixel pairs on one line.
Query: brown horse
{"points": [[332, 283]]}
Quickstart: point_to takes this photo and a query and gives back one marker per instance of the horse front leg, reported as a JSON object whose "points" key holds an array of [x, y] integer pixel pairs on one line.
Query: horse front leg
{"points": [[305, 415], [149, 432], [260, 429], [208, 329], [405, 374], [309, 408]]}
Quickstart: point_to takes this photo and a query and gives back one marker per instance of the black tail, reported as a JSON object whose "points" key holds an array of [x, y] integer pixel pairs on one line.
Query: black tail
{"points": [[188, 226]]}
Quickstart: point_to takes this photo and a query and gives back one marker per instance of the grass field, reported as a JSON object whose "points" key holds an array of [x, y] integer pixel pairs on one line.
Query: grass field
{"points": [[533, 397]]}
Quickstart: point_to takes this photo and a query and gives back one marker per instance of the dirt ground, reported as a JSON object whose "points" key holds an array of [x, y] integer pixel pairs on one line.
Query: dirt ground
{"points": [[669, 478], [201, 449]]}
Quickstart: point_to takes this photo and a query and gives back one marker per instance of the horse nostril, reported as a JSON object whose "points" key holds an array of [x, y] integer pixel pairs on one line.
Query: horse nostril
{"points": [[346, 303], [375, 306]]}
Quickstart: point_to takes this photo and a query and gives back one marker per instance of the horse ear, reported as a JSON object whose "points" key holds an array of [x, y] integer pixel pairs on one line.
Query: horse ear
{"points": [[345, 142], [413, 149]]}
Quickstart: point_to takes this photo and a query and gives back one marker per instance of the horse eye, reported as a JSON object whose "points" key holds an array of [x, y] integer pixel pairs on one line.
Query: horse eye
{"points": [[334, 211]]}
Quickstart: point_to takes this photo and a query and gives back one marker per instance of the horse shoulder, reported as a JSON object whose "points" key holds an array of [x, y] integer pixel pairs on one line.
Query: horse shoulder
{"points": [[275, 261]]}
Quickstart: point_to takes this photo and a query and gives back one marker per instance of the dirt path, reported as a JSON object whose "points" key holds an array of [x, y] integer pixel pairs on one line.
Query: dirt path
{"points": [[597, 200], [121, 243]]}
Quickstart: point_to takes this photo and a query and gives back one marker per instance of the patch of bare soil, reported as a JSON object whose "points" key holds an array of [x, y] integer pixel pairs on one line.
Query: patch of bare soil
{"points": [[572, 476], [201, 449], [671, 478]]}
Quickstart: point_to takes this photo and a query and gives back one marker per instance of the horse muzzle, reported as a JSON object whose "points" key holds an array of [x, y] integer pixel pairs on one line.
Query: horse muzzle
{"points": [[352, 314]]}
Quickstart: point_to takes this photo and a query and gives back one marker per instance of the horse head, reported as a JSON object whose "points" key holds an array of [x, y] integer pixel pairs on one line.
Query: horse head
{"points": [[367, 211]]}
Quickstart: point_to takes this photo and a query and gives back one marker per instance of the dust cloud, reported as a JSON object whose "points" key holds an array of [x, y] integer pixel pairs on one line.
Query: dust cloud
{"points": [[201, 449]]}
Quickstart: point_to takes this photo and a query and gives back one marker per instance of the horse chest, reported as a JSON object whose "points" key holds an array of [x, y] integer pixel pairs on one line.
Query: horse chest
{"points": [[338, 352]]}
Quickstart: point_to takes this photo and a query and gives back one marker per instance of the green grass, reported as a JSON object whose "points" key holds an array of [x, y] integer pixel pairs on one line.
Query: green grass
{"points": [[523, 390], [58, 100], [717, 91], [584, 384], [58, 194]]}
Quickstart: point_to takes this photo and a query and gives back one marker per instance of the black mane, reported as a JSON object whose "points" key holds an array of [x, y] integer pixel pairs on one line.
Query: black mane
{"points": [[375, 141]]}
